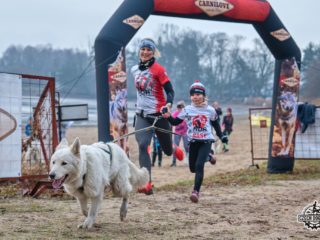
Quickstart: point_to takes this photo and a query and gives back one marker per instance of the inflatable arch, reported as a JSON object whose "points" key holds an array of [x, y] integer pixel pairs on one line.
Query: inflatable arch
{"points": [[131, 15]]}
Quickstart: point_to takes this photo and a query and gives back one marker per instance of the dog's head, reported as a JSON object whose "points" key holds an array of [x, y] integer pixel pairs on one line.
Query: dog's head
{"points": [[121, 100], [287, 102], [65, 163]]}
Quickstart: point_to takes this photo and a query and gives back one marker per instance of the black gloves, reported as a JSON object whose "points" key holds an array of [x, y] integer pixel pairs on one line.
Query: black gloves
{"points": [[224, 139]]}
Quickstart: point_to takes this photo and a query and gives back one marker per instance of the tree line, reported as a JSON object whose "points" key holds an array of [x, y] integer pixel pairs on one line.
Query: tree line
{"points": [[229, 71]]}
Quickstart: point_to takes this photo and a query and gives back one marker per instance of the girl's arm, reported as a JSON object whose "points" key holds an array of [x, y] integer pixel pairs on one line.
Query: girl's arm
{"points": [[217, 128], [215, 124]]}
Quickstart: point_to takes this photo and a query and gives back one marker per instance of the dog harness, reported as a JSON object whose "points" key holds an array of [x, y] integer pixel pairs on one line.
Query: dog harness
{"points": [[105, 150], [109, 152]]}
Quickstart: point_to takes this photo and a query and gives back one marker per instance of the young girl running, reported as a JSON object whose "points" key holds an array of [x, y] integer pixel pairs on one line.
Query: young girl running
{"points": [[200, 117]]}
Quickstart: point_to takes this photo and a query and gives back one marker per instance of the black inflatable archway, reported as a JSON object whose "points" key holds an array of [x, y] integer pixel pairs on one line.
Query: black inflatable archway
{"points": [[129, 17]]}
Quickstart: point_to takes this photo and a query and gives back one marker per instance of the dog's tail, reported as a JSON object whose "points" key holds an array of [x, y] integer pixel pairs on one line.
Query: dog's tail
{"points": [[139, 177]]}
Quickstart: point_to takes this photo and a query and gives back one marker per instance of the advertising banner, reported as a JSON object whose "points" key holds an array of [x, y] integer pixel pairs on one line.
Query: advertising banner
{"points": [[10, 125], [284, 128], [118, 109]]}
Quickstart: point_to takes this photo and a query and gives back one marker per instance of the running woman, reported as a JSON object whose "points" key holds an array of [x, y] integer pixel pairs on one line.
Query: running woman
{"points": [[154, 91]]}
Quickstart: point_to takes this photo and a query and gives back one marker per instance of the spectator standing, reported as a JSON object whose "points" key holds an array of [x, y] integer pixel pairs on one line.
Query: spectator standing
{"points": [[218, 109], [157, 151], [227, 125]]}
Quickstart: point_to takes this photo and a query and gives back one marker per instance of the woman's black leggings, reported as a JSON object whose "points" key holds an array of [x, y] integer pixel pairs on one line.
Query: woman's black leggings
{"points": [[198, 155], [144, 139]]}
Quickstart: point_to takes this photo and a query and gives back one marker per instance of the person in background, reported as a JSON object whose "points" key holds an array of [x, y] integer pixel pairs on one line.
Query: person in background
{"points": [[200, 118], [218, 109], [64, 127], [227, 125], [28, 127], [180, 133], [157, 151]]}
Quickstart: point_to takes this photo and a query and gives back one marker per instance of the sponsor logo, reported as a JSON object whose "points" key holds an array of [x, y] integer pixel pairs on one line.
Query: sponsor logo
{"points": [[310, 216], [120, 76], [214, 7], [281, 34], [135, 21], [291, 82], [8, 124], [199, 122]]}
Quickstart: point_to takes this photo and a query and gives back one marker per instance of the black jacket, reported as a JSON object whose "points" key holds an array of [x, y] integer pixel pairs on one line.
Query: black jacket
{"points": [[306, 115]]}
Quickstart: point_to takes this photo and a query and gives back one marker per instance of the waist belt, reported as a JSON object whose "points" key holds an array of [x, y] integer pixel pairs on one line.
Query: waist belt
{"points": [[142, 114]]}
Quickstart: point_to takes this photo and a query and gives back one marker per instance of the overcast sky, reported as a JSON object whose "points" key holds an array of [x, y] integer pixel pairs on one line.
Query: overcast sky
{"points": [[75, 23]]}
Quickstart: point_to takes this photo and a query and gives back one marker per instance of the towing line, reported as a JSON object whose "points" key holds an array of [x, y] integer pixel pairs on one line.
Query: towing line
{"points": [[152, 127]]}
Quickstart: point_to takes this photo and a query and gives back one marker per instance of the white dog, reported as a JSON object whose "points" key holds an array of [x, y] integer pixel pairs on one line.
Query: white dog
{"points": [[85, 171]]}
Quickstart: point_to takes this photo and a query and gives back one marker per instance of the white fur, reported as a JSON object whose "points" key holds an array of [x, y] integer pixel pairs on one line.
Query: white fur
{"points": [[120, 174]]}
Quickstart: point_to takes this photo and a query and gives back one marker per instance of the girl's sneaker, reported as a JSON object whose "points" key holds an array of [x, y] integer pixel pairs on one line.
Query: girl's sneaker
{"points": [[212, 157], [194, 196]]}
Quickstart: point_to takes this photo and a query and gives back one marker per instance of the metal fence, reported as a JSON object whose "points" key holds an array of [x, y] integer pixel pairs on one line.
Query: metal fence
{"points": [[307, 144]]}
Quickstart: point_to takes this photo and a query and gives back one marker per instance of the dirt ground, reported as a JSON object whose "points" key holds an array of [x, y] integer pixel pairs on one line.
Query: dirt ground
{"points": [[268, 211]]}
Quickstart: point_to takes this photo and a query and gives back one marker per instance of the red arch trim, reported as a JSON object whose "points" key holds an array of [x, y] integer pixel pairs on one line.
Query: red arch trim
{"points": [[247, 10]]}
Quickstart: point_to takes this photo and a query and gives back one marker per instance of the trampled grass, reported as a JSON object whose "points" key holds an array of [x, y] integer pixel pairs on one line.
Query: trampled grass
{"points": [[303, 170]]}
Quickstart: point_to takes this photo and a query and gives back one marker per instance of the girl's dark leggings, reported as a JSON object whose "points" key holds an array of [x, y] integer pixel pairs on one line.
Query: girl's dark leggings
{"points": [[198, 155], [144, 139]]}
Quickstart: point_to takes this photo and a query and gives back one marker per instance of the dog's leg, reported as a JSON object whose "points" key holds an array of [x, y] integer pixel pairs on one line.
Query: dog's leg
{"points": [[291, 132], [82, 200], [124, 208], [283, 137], [93, 211]]}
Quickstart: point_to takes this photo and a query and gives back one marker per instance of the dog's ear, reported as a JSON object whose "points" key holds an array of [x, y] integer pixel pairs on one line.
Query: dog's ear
{"points": [[63, 144], [75, 147]]}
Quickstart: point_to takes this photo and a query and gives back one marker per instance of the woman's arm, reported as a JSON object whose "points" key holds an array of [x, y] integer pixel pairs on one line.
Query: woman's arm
{"points": [[174, 121], [169, 92]]}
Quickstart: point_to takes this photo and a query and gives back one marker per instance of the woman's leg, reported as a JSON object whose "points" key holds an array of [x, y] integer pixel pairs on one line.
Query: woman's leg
{"points": [[176, 141], [159, 156], [143, 138], [165, 139], [154, 157], [185, 143]]}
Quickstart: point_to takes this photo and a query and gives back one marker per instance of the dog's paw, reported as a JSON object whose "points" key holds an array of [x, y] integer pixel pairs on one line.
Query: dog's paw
{"points": [[281, 153], [87, 224], [123, 215]]}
